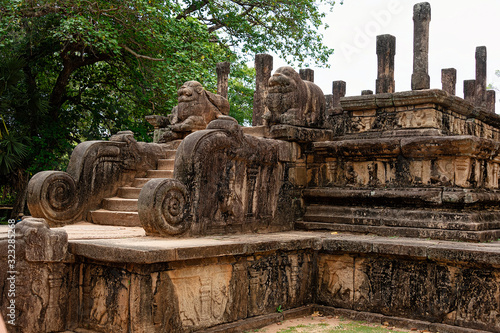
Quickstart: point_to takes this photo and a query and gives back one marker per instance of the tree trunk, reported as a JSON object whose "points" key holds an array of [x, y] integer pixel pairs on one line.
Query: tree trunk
{"points": [[20, 203]]}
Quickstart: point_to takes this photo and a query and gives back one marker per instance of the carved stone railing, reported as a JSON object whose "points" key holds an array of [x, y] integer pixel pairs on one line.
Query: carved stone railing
{"points": [[225, 182], [95, 171]]}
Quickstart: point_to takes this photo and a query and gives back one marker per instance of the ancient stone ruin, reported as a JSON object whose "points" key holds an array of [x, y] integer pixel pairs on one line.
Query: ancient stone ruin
{"points": [[381, 207]]}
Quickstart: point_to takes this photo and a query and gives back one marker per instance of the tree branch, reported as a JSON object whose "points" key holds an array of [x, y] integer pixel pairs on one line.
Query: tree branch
{"points": [[196, 5], [221, 25], [135, 54]]}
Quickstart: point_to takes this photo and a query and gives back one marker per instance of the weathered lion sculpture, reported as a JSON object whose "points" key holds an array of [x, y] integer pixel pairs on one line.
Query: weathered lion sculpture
{"points": [[293, 101], [196, 108]]}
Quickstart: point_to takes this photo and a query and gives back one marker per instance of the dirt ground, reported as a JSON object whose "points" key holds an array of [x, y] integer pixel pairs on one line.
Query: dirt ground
{"points": [[319, 324]]}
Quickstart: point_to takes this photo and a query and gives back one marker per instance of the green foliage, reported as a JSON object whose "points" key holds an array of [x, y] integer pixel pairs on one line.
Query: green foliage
{"points": [[12, 150], [7, 197], [76, 70], [240, 94]]}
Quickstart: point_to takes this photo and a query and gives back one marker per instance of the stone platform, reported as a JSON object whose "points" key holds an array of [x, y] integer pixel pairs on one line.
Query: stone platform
{"points": [[125, 282]]}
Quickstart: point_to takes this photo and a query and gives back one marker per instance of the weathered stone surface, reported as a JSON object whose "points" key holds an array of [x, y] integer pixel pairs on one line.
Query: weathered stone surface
{"points": [[233, 183], [442, 282], [164, 207], [96, 170], [491, 100], [263, 69], [338, 91], [394, 114], [480, 92], [449, 80], [386, 50], [299, 134], [197, 107], [223, 69], [470, 91], [293, 101], [421, 19], [335, 280], [306, 74], [35, 276]]}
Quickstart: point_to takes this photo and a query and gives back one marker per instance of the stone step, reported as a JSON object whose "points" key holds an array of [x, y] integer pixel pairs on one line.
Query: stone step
{"points": [[430, 219], [386, 231], [139, 182], [160, 174], [120, 204], [166, 164], [118, 218], [170, 154], [129, 192]]}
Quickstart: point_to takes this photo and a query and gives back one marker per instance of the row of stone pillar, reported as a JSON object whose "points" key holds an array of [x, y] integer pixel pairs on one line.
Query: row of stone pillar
{"points": [[474, 90]]}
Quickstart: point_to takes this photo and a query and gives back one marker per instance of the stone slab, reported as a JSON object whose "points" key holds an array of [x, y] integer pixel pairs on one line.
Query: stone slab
{"points": [[155, 250], [158, 249]]}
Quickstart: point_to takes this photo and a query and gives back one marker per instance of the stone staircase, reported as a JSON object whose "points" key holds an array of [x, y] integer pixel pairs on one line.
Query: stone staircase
{"points": [[371, 212], [122, 209]]}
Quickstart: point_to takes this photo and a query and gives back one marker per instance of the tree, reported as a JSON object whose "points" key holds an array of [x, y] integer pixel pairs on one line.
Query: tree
{"points": [[87, 69]]}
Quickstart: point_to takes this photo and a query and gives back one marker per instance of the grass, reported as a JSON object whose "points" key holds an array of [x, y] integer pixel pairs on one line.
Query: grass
{"points": [[344, 326]]}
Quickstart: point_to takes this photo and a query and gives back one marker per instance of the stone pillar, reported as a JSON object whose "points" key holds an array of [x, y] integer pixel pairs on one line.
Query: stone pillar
{"points": [[386, 50], [223, 69], [307, 74], [421, 18], [449, 80], [366, 92], [338, 91], [470, 90], [480, 98], [263, 69], [329, 101], [490, 100]]}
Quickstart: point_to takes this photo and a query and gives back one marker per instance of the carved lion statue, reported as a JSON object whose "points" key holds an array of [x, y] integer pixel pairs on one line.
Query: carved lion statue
{"points": [[293, 101], [195, 109]]}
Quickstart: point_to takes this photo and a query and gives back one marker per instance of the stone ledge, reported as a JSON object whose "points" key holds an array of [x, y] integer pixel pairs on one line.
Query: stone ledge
{"points": [[416, 97], [419, 147], [300, 134], [145, 250]]}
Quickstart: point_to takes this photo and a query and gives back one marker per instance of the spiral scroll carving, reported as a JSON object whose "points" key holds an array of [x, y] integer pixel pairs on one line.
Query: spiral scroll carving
{"points": [[164, 207], [53, 195]]}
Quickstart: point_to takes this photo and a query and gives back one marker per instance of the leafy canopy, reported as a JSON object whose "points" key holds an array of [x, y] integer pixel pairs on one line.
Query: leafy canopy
{"points": [[74, 70]]}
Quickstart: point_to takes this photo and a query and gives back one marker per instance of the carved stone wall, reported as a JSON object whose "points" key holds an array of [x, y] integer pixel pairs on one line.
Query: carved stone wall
{"points": [[40, 277], [151, 284], [225, 182], [424, 112], [398, 163], [456, 294], [189, 296]]}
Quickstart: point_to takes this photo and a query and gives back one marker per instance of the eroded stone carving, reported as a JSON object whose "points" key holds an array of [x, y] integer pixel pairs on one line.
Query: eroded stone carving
{"points": [[164, 207], [293, 101], [196, 108], [41, 243], [95, 171], [203, 294], [40, 277], [225, 182]]}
